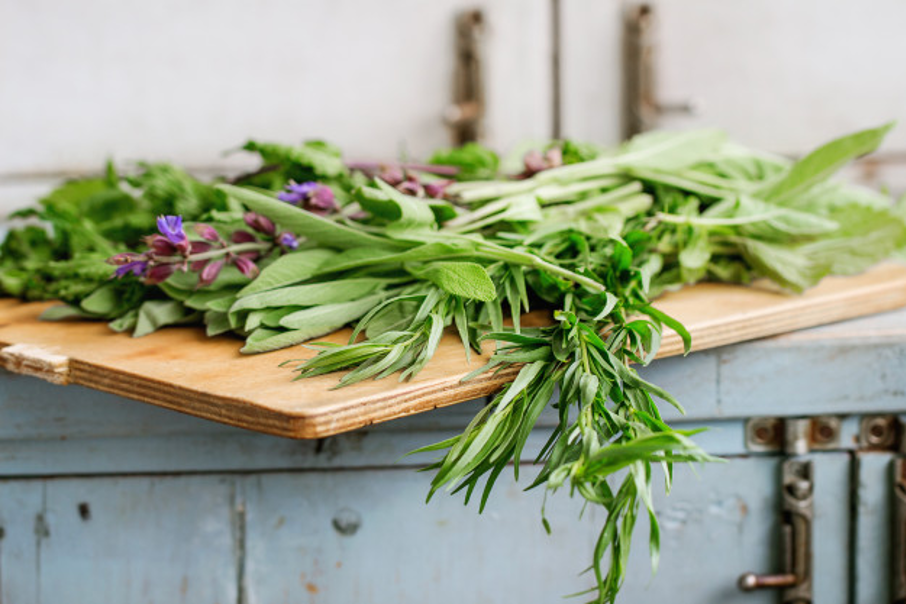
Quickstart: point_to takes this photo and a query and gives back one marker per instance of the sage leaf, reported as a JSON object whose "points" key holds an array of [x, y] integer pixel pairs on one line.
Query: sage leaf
{"points": [[466, 279], [306, 224], [289, 269], [154, 314]]}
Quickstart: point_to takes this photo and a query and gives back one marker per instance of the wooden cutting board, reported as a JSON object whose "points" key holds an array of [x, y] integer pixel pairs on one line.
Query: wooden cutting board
{"points": [[181, 369]]}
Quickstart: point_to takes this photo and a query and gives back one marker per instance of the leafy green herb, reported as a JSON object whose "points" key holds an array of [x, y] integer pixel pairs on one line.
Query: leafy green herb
{"points": [[591, 234]]}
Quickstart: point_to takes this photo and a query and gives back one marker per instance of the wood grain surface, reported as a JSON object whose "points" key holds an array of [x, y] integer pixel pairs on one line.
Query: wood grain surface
{"points": [[182, 369]]}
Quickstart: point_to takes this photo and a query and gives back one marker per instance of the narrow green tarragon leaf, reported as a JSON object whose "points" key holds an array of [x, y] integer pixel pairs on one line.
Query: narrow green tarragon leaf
{"points": [[822, 163]]}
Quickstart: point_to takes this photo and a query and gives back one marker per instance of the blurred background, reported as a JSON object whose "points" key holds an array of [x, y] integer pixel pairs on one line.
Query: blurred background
{"points": [[186, 82]]}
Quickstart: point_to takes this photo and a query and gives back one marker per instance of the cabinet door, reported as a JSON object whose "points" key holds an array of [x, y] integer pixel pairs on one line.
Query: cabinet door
{"points": [[874, 527], [367, 536], [722, 520], [120, 540]]}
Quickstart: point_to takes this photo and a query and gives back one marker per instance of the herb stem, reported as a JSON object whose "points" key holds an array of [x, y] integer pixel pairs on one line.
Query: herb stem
{"points": [[239, 248], [706, 221]]}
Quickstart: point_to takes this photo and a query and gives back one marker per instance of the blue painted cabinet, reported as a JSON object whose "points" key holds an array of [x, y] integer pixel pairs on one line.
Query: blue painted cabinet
{"points": [[108, 500]]}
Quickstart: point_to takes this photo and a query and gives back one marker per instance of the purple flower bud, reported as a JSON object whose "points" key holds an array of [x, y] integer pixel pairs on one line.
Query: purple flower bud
{"points": [[322, 201], [392, 175], [437, 188], [209, 273], [136, 267], [171, 228], [288, 241], [199, 247], [242, 237], [554, 157], [534, 162], [246, 266], [260, 223], [159, 273], [207, 232], [410, 187], [161, 246]]}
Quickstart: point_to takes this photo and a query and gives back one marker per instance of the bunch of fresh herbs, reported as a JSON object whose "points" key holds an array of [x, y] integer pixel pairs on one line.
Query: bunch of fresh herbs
{"points": [[308, 244]]}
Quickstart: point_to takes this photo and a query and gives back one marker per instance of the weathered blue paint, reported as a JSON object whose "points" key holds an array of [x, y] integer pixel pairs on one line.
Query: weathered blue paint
{"points": [[874, 517], [21, 504], [180, 509], [120, 540]]}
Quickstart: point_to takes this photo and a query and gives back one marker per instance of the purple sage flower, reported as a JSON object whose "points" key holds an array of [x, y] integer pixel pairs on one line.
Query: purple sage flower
{"points": [[316, 198], [171, 228], [288, 241], [298, 194], [136, 267]]}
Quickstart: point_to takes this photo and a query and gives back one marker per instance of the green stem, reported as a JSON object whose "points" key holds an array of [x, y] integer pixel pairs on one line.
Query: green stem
{"points": [[239, 248], [705, 221], [498, 252]]}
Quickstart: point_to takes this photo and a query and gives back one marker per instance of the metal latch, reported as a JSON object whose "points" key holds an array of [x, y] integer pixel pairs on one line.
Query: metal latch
{"points": [[465, 116], [797, 511], [641, 106], [898, 573]]}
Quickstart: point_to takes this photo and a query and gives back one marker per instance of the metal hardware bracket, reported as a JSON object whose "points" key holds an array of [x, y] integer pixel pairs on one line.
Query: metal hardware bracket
{"points": [[795, 436], [465, 116], [879, 432], [797, 511], [641, 106]]}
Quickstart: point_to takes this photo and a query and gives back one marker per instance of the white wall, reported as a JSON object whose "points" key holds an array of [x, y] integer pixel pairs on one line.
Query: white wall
{"points": [[184, 81]]}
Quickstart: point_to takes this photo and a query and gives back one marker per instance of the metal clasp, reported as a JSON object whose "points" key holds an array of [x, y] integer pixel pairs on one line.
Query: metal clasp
{"points": [[641, 106], [797, 512], [465, 116]]}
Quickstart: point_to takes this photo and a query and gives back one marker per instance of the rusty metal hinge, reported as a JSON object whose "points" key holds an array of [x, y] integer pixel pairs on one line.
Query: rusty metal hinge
{"points": [[880, 433], [797, 512], [793, 435], [465, 116]]}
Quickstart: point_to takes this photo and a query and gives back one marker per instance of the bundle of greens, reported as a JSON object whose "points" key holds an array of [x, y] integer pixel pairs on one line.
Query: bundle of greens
{"points": [[309, 244]]}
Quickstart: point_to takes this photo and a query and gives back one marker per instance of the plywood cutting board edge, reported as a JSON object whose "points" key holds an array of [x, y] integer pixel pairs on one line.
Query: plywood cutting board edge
{"points": [[799, 312], [162, 370], [234, 411]]}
